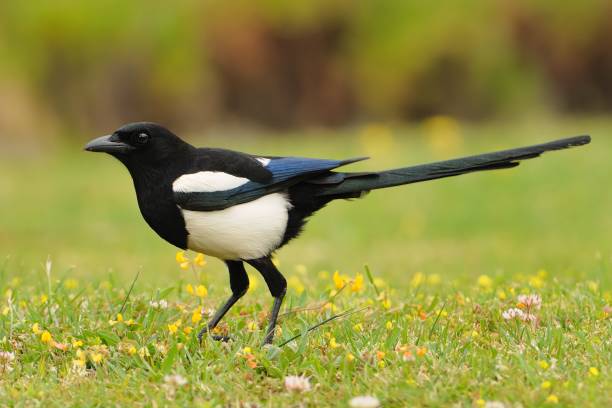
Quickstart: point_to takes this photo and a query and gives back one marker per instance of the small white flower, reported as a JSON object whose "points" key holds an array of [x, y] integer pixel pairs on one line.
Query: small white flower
{"points": [[529, 318], [297, 383], [513, 313], [175, 380], [365, 401], [494, 404], [161, 304], [6, 361], [531, 301], [6, 357]]}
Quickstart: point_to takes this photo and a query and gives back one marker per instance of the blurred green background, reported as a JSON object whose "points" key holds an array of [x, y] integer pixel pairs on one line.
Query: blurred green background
{"points": [[402, 81]]}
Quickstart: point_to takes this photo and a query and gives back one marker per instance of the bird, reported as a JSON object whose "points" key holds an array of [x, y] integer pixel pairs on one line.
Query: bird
{"points": [[241, 207]]}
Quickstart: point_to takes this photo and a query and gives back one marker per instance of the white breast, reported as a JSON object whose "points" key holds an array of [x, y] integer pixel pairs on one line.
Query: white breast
{"points": [[245, 231]]}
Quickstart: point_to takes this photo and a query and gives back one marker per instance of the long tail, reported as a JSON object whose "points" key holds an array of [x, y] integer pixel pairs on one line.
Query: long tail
{"points": [[355, 184]]}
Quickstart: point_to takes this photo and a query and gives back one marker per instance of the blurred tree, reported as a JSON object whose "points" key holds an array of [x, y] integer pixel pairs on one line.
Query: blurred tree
{"points": [[76, 65]]}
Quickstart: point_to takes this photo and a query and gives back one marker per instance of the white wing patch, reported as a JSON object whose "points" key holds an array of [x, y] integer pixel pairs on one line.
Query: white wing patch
{"points": [[207, 182], [263, 161], [245, 231]]}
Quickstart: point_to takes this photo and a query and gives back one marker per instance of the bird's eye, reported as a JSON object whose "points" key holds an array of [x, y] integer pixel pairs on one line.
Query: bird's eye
{"points": [[141, 138]]}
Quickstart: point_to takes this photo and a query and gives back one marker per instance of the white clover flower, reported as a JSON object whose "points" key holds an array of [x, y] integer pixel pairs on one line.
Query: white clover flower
{"points": [[175, 380], [6, 361], [161, 304], [297, 383], [513, 313], [6, 357], [365, 401], [494, 404], [530, 301], [529, 318]]}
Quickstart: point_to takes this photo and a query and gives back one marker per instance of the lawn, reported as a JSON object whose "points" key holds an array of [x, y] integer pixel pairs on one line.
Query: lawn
{"points": [[426, 326]]}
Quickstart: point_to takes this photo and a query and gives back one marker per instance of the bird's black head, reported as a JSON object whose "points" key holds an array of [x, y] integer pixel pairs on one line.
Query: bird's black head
{"points": [[143, 143]]}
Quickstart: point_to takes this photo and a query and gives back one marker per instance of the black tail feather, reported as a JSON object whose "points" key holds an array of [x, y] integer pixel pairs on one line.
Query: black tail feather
{"points": [[353, 185]]}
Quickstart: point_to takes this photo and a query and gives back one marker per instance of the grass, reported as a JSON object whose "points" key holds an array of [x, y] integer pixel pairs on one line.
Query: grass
{"points": [[447, 259]]}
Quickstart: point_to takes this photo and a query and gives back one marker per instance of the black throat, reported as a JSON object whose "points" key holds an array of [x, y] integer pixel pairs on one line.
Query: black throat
{"points": [[155, 200]]}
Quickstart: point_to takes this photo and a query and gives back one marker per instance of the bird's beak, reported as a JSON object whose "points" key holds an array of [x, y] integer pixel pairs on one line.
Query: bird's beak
{"points": [[108, 144]]}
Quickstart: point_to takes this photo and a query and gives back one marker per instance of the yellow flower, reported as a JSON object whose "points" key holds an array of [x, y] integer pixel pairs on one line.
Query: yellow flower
{"points": [[332, 343], [350, 357], [81, 355], [132, 350], [421, 351], [358, 327], [339, 280], [546, 385], [443, 134], [247, 350], [45, 337], [189, 288], [196, 316], [77, 343], [199, 260], [119, 317], [389, 325], [485, 282], [552, 399], [593, 286], [172, 328], [330, 306], [417, 279], [296, 284], [96, 357], [180, 257], [501, 294], [323, 275], [187, 329], [536, 281], [357, 284], [71, 283], [386, 303], [43, 299], [480, 402], [201, 291], [543, 364], [377, 139], [77, 364], [252, 326], [184, 265], [434, 279], [593, 372], [5, 310]]}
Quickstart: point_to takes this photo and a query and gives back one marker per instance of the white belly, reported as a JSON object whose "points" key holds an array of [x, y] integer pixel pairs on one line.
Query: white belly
{"points": [[245, 231]]}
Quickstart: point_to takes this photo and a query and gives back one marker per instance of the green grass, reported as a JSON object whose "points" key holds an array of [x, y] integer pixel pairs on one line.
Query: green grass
{"points": [[427, 246]]}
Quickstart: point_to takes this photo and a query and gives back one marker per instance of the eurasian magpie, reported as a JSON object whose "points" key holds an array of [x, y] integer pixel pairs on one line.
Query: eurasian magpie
{"points": [[241, 208]]}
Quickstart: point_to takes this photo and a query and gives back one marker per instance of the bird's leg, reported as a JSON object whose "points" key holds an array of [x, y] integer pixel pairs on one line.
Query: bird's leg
{"points": [[239, 282], [277, 286]]}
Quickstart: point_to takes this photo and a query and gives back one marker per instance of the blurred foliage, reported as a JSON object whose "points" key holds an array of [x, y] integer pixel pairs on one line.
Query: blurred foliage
{"points": [[77, 65]]}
